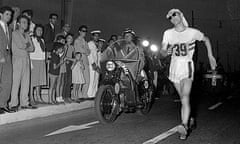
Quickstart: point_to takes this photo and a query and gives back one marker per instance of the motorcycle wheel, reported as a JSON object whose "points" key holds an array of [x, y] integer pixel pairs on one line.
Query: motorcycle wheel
{"points": [[106, 105], [147, 103]]}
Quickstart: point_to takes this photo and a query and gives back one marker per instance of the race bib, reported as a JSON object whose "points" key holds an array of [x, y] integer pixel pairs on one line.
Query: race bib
{"points": [[180, 49]]}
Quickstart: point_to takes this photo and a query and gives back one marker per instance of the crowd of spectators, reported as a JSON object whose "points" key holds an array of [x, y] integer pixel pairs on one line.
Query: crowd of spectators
{"points": [[33, 56]]}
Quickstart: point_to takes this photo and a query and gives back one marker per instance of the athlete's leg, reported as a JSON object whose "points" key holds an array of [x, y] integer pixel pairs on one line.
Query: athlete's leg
{"points": [[178, 87], [183, 88], [186, 85]]}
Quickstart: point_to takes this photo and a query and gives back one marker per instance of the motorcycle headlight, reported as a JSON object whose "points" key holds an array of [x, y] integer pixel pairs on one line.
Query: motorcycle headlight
{"points": [[110, 65]]}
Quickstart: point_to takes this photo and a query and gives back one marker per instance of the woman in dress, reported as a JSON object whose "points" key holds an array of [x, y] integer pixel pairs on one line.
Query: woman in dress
{"points": [[80, 45], [38, 65]]}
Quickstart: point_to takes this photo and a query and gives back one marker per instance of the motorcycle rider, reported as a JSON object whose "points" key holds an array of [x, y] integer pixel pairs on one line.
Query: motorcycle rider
{"points": [[127, 48]]}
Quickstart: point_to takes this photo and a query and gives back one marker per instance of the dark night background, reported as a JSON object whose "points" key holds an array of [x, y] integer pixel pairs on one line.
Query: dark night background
{"points": [[218, 19], [215, 101]]}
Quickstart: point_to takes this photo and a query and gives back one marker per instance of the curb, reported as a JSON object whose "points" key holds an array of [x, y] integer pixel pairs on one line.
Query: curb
{"points": [[43, 111]]}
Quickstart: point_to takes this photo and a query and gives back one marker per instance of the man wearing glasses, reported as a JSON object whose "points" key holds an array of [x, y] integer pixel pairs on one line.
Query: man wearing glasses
{"points": [[80, 45], [179, 42]]}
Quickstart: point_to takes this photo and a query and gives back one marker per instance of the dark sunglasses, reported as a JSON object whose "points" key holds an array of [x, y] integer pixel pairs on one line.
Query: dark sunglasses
{"points": [[83, 30], [173, 15]]}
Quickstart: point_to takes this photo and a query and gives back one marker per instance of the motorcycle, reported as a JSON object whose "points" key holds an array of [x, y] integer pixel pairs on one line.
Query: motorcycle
{"points": [[122, 90]]}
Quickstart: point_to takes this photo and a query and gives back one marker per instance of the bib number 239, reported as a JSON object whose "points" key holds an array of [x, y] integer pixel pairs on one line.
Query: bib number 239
{"points": [[180, 49]]}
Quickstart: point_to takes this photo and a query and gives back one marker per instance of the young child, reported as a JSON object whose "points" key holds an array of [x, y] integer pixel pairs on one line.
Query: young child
{"points": [[62, 73], [77, 76], [54, 71], [60, 39]]}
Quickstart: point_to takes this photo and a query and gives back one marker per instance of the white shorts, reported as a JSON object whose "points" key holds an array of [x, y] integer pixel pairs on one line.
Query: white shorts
{"points": [[181, 69]]}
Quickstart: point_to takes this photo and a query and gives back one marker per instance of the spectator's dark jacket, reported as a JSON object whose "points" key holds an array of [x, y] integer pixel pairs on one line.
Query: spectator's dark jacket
{"points": [[49, 35]]}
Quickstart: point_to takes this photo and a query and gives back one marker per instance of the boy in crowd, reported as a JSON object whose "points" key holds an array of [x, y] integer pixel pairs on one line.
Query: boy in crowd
{"points": [[54, 71]]}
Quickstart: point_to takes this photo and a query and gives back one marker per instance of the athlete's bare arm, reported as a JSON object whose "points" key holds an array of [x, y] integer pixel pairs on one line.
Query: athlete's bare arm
{"points": [[166, 49], [212, 60], [163, 50]]}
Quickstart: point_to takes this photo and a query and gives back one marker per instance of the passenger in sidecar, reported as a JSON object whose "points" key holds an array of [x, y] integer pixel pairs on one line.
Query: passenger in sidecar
{"points": [[129, 52]]}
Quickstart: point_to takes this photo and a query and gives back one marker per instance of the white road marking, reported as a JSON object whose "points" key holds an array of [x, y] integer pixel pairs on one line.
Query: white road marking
{"points": [[162, 136], [73, 128], [215, 106]]}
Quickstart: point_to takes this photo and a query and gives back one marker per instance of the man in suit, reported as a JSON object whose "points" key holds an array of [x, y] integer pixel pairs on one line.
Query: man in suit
{"points": [[49, 36], [5, 59], [49, 31]]}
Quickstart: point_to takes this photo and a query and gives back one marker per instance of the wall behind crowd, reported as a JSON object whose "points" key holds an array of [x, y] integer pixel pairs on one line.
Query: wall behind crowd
{"points": [[147, 18]]}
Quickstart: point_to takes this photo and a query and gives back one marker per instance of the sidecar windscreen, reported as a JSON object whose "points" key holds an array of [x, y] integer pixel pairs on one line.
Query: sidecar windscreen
{"points": [[121, 49], [126, 52], [131, 65]]}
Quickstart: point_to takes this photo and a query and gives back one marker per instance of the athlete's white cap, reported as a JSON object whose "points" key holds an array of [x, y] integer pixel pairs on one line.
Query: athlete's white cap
{"points": [[96, 32], [102, 40], [170, 12]]}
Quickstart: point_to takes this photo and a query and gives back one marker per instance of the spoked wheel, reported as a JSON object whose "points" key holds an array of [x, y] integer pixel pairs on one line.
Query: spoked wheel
{"points": [[106, 105], [147, 101]]}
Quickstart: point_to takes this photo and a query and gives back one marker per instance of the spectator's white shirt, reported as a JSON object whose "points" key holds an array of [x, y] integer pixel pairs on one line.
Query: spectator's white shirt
{"points": [[38, 54], [52, 26], [5, 29], [93, 57], [3, 26], [94, 75]]}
